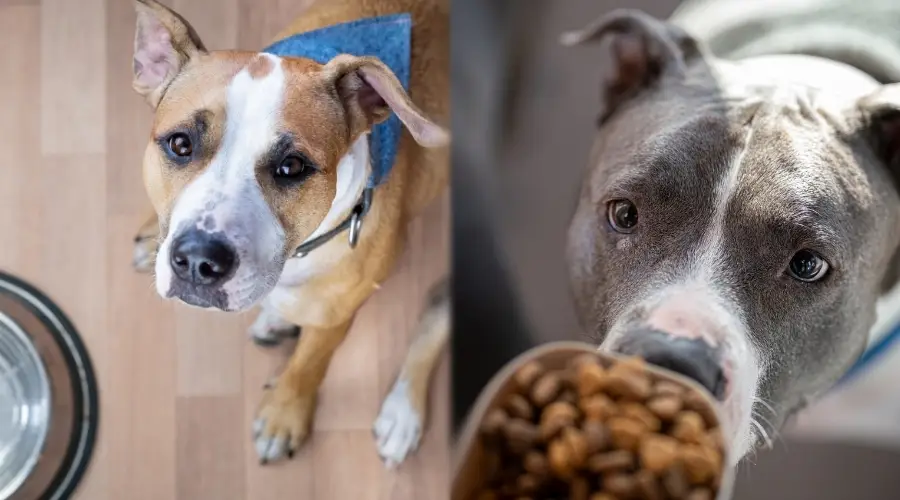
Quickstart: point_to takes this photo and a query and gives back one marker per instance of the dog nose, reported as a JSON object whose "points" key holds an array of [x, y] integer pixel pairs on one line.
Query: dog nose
{"points": [[691, 357], [201, 259]]}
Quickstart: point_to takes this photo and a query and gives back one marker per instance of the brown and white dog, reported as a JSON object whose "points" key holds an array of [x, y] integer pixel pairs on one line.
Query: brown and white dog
{"points": [[252, 154]]}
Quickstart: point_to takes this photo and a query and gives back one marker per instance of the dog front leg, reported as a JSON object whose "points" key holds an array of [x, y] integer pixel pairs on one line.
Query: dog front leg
{"points": [[398, 427], [146, 244], [286, 412]]}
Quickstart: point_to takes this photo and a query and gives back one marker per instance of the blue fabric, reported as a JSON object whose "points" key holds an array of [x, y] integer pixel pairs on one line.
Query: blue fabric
{"points": [[872, 354], [386, 37]]}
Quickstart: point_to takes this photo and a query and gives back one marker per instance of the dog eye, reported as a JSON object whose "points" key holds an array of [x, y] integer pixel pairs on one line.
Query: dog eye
{"points": [[180, 145], [292, 167], [622, 215], [808, 266]]}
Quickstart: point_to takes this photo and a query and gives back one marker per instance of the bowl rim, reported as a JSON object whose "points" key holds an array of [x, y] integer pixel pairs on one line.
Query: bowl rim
{"points": [[81, 375]]}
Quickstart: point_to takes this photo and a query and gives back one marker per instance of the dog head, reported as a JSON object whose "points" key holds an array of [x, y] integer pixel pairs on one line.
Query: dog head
{"points": [[252, 154], [732, 229]]}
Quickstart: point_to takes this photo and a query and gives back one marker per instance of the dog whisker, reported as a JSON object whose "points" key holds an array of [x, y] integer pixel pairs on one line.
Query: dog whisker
{"points": [[764, 404], [765, 420], [762, 432]]}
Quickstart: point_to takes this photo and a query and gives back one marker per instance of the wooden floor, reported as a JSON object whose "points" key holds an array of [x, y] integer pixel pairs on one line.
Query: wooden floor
{"points": [[179, 386]]}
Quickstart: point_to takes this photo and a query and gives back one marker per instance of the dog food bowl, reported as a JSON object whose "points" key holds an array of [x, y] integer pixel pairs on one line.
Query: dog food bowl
{"points": [[470, 456], [48, 397]]}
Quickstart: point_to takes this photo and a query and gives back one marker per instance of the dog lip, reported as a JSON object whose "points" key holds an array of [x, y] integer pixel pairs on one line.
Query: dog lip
{"points": [[194, 300], [206, 299]]}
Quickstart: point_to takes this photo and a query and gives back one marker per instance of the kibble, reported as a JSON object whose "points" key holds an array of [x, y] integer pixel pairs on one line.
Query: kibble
{"points": [[568, 396], [520, 435], [665, 407], [598, 407], [494, 422], [555, 417], [560, 459], [519, 407], [701, 463], [577, 446], [535, 463], [584, 359], [600, 430], [640, 413], [546, 389], [527, 375], [689, 427], [675, 482], [667, 388], [591, 379], [580, 489], [596, 435], [658, 452], [628, 384], [620, 485], [611, 461], [648, 485], [694, 401], [626, 433]]}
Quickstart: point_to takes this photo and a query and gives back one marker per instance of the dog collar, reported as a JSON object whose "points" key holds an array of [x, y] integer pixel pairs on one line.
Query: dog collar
{"points": [[353, 222], [388, 38]]}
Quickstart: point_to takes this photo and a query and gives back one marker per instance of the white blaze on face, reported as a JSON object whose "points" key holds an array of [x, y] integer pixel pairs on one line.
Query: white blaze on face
{"points": [[226, 198]]}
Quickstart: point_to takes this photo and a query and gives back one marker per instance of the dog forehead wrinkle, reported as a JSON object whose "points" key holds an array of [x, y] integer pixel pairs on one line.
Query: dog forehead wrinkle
{"points": [[796, 193]]}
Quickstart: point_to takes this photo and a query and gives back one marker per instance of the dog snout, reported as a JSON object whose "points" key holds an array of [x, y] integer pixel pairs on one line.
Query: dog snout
{"points": [[202, 259], [692, 357], [687, 315]]}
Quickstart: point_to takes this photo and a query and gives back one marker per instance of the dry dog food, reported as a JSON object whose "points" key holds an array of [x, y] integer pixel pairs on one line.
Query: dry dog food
{"points": [[601, 432]]}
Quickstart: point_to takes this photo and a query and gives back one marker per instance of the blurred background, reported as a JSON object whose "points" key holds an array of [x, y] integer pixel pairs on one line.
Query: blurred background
{"points": [[524, 115]]}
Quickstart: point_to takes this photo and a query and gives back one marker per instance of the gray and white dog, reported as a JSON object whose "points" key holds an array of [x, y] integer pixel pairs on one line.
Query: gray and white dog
{"points": [[740, 215]]}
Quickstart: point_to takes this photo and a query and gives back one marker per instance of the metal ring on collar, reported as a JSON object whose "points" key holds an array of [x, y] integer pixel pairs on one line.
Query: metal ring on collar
{"points": [[352, 222], [355, 228]]}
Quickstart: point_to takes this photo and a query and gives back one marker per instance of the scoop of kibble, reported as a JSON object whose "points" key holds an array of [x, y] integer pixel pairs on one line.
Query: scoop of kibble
{"points": [[596, 431]]}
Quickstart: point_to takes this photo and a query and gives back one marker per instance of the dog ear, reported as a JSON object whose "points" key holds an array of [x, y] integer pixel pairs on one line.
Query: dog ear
{"points": [[163, 43], [881, 123], [644, 49], [370, 92], [880, 128]]}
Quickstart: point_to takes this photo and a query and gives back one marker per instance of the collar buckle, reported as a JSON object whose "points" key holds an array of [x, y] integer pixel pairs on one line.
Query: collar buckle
{"points": [[353, 222]]}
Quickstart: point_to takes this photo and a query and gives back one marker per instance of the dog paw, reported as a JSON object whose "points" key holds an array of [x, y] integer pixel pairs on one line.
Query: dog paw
{"points": [[143, 256], [281, 426], [272, 338], [269, 331], [398, 427]]}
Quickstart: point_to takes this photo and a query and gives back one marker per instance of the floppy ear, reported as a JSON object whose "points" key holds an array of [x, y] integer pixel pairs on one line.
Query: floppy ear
{"points": [[881, 124], [163, 43], [644, 50], [370, 92], [880, 127]]}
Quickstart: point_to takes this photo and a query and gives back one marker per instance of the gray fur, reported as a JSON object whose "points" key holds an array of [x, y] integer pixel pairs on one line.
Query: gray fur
{"points": [[813, 174]]}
